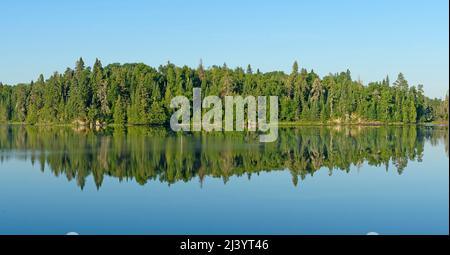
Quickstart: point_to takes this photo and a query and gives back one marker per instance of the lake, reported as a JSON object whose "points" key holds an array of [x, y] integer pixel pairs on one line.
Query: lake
{"points": [[140, 180]]}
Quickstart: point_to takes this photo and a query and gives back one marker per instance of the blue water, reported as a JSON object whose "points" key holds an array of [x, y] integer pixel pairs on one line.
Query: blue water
{"points": [[366, 199]]}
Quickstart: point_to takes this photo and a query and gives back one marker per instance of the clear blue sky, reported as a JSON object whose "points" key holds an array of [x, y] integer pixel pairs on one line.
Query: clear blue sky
{"points": [[371, 38]]}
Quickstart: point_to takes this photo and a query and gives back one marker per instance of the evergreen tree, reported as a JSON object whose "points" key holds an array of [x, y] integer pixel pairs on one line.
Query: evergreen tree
{"points": [[120, 116]]}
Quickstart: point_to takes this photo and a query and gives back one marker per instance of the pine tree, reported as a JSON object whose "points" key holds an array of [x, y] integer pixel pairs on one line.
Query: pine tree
{"points": [[99, 108], [35, 101], [412, 111], [120, 116], [5, 103], [292, 80], [385, 105]]}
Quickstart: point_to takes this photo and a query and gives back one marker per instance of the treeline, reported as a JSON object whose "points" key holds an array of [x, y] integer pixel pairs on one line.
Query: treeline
{"points": [[155, 154], [139, 94]]}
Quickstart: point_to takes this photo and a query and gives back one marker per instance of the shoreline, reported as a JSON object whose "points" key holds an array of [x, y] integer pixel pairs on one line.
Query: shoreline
{"points": [[280, 124], [299, 124]]}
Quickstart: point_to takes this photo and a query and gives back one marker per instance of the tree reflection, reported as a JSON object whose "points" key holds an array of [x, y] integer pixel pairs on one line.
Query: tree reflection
{"points": [[145, 154]]}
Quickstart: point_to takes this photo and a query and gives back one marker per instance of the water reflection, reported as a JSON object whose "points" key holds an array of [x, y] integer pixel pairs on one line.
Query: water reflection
{"points": [[145, 154]]}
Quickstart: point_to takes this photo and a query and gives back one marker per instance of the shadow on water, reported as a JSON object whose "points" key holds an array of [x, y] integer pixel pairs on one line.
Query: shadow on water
{"points": [[145, 154]]}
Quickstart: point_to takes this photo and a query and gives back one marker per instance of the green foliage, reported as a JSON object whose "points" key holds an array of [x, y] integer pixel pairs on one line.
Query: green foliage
{"points": [[139, 94], [120, 115]]}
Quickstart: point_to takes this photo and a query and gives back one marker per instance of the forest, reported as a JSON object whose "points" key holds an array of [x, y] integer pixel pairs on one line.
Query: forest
{"points": [[137, 94]]}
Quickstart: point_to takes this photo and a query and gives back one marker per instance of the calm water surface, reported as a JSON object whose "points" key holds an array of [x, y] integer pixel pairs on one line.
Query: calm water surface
{"points": [[338, 180]]}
